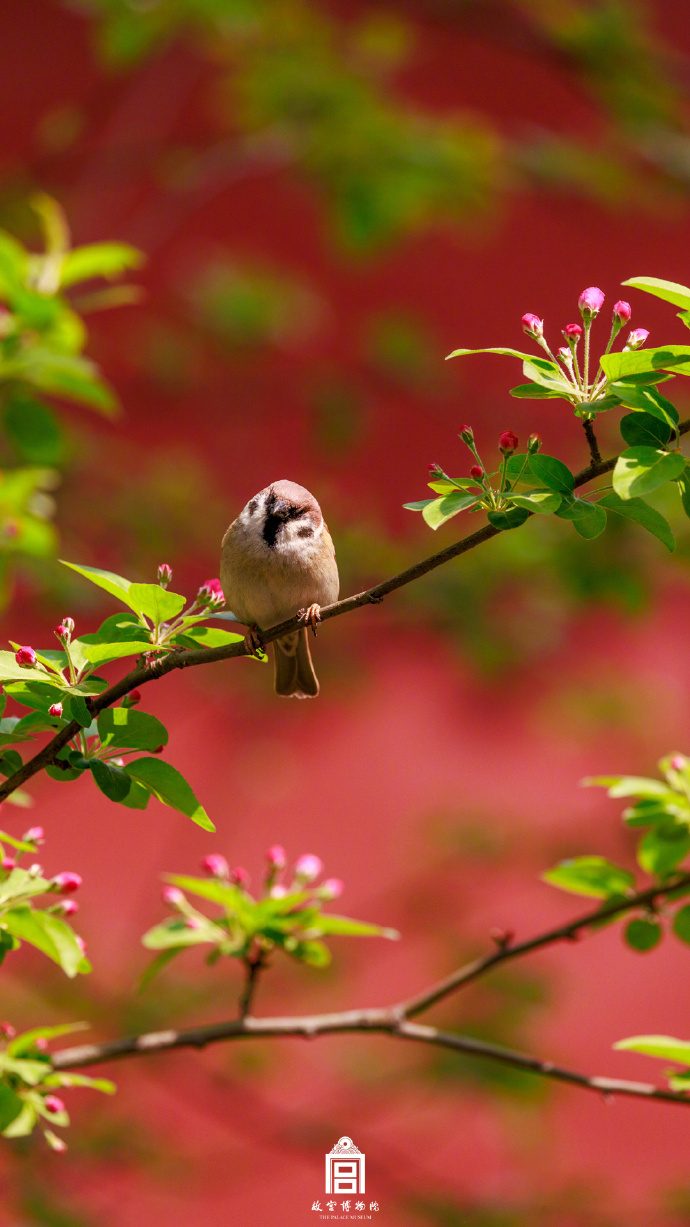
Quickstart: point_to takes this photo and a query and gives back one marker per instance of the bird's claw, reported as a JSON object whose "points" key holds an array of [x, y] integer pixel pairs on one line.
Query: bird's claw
{"points": [[252, 642], [311, 617]]}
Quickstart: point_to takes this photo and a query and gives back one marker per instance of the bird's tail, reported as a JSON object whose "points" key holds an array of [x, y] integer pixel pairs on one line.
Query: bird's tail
{"points": [[294, 672]]}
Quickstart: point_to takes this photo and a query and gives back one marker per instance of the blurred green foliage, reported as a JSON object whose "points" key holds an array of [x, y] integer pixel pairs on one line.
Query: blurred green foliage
{"points": [[42, 338], [316, 90]]}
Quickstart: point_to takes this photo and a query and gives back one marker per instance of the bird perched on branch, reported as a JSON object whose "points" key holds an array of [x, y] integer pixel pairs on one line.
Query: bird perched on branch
{"points": [[278, 560]]}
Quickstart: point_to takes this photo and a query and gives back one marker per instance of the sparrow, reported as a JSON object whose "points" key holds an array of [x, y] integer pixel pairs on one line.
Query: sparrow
{"points": [[277, 561]]}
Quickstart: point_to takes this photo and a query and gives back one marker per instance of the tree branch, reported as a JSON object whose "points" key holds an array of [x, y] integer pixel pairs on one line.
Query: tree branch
{"points": [[183, 658], [394, 1020]]}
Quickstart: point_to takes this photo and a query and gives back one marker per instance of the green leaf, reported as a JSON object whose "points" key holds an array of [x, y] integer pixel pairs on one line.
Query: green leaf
{"points": [[207, 637], [101, 653], [420, 504], [33, 429], [544, 374], [664, 1046], [24, 1042], [639, 511], [342, 926], [663, 848], [174, 934], [23, 1124], [644, 430], [94, 1084], [156, 602], [37, 695], [111, 780], [314, 953], [48, 933], [114, 584], [67, 375], [588, 519], [10, 1105], [670, 291], [156, 965], [535, 391], [74, 708], [640, 470], [126, 728], [511, 353], [224, 893], [643, 934], [668, 357], [684, 489], [512, 517], [552, 473], [681, 923], [10, 671], [543, 502], [651, 812], [590, 875], [628, 785], [647, 400], [98, 260], [20, 884], [138, 797], [166, 783], [441, 509]]}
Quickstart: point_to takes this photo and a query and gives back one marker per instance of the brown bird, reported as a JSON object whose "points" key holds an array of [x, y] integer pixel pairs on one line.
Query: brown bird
{"points": [[278, 560]]}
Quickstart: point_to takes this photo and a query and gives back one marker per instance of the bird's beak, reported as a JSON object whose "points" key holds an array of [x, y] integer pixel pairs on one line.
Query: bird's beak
{"points": [[280, 509]]}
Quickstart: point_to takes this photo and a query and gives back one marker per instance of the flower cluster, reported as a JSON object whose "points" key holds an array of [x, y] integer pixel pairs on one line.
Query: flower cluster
{"points": [[582, 388]]}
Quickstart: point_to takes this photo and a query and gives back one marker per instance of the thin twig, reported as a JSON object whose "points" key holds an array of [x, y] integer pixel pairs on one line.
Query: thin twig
{"points": [[253, 966], [184, 658], [479, 967], [394, 1020]]}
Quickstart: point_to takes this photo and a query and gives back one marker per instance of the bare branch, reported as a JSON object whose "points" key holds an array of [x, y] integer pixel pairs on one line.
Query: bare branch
{"points": [[567, 932], [394, 1020], [184, 658]]}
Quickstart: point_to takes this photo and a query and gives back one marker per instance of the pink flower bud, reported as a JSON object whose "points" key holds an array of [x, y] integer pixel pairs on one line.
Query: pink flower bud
{"points": [[57, 1144], [164, 574], [240, 877], [67, 908], [192, 922], [477, 472], [572, 333], [55, 709], [679, 762], [534, 442], [25, 656], [173, 896], [211, 593], [636, 338], [7, 1030], [215, 866], [41, 1044], [507, 442], [590, 302], [435, 471], [35, 870], [332, 888], [158, 750], [66, 883], [621, 312], [275, 855], [533, 326], [131, 699], [34, 835], [80, 942], [565, 355], [466, 434], [308, 867], [278, 891], [53, 1104], [61, 631], [8, 863]]}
